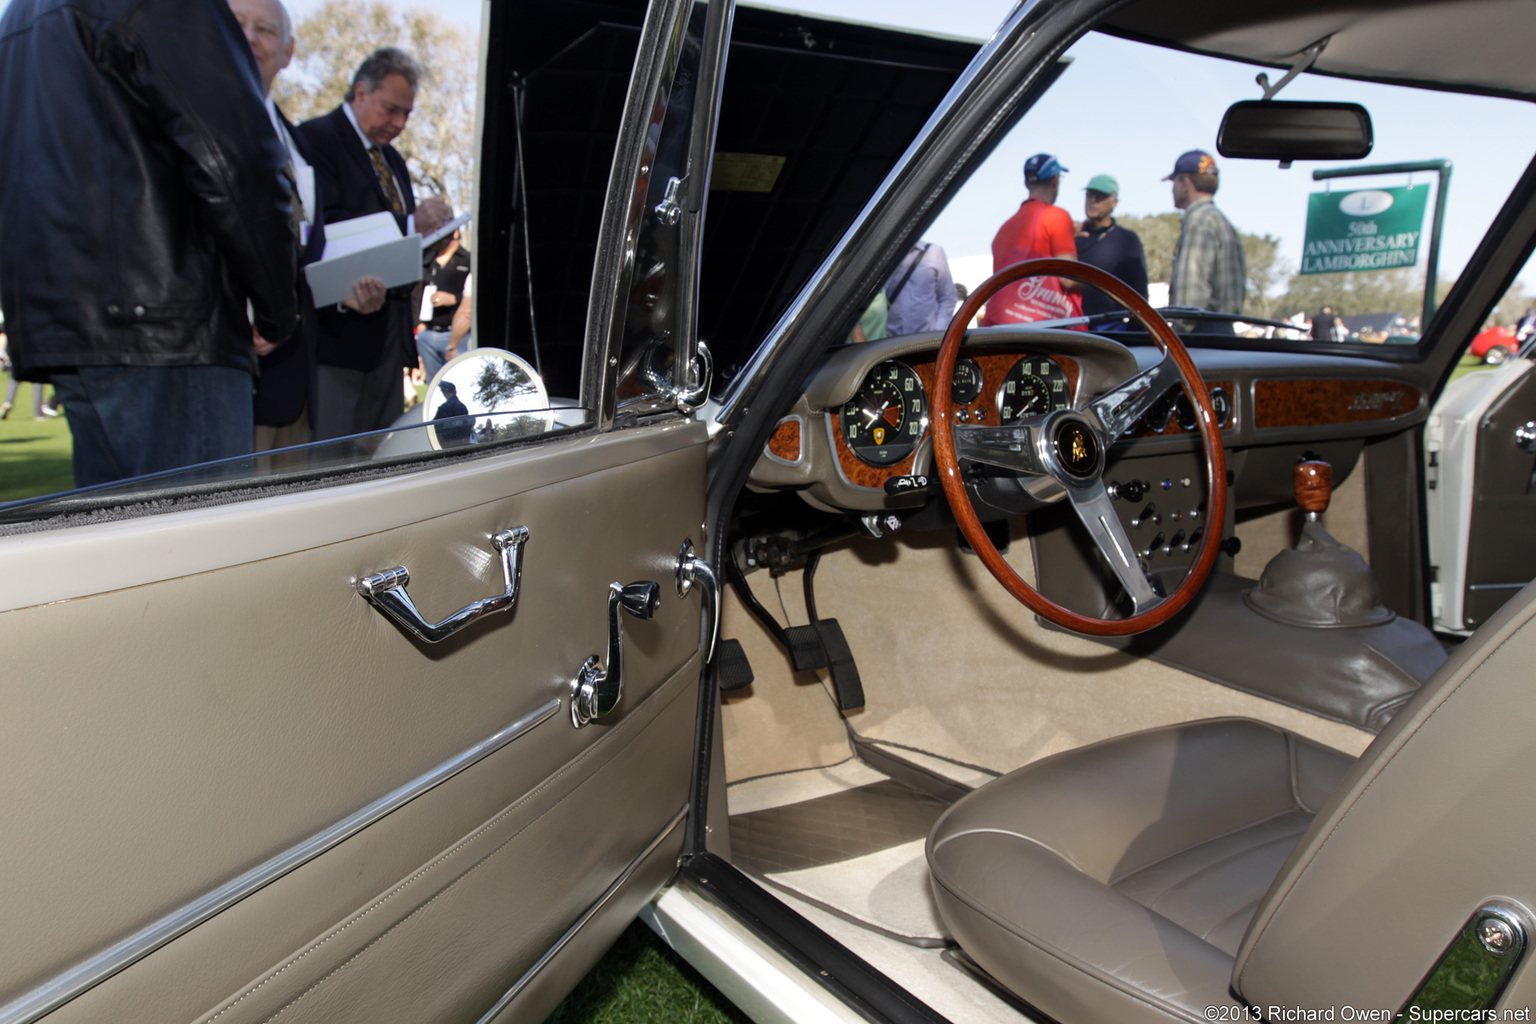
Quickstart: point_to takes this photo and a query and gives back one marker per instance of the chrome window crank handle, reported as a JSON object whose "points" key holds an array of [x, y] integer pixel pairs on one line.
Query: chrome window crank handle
{"points": [[596, 690], [386, 591]]}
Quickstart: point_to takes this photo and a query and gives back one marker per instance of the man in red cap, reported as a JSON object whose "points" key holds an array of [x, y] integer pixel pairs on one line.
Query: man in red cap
{"points": [[1039, 229], [1209, 271]]}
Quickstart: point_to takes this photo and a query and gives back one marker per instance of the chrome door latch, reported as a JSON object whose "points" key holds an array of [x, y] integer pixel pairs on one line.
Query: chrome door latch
{"points": [[596, 690], [385, 590]]}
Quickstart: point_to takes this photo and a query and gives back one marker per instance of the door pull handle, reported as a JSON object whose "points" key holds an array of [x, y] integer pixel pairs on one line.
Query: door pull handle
{"points": [[596, 690], [693, 570], [386, 591]]}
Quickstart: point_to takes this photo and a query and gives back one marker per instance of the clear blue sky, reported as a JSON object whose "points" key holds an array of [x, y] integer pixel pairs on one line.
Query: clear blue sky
{"points": [[1130, 110]]}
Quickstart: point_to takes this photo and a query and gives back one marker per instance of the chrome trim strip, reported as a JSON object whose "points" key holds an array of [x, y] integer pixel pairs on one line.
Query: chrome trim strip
{"points": [[655, 62], [564, 940], [66, 986]]}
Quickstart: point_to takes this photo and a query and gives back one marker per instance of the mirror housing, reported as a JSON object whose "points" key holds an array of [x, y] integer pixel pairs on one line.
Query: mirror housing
{"points": [[1295, 130]]}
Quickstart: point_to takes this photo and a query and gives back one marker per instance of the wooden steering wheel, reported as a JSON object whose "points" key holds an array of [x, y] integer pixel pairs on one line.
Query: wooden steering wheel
{"points": [[1068, 447]]}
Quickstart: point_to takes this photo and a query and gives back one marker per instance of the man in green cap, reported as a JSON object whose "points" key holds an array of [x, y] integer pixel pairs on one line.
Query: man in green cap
{"points": [[1104, 244]]}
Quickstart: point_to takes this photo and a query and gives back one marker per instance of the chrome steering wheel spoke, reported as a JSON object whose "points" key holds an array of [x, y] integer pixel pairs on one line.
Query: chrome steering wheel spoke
{"points": [[1120, 407], [1091, 503], [1015, 448]]}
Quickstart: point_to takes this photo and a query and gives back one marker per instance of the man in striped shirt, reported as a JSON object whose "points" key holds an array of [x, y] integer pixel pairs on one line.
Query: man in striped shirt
{"points": [[1209, 271]]}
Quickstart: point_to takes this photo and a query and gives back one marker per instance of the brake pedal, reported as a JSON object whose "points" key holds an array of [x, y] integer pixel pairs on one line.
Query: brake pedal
{"points": [[732, 669], [804, 644], [846, 685]]}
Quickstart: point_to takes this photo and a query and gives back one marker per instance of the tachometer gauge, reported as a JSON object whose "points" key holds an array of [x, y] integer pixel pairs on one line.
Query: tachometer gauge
{"points": [[965, 387], [887, 418], [1035, 386]]}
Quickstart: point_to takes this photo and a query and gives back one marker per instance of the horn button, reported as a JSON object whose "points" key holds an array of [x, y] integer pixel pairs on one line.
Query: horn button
{"points": [[1076, 448]]}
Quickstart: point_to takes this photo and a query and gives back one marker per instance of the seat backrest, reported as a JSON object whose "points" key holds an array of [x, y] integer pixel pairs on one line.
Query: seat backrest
{"points": [[1437, 816]]}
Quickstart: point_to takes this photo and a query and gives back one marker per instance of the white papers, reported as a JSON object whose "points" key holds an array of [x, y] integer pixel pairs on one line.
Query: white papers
{"points": [[343, 238], [427, 241], [362, 247]]}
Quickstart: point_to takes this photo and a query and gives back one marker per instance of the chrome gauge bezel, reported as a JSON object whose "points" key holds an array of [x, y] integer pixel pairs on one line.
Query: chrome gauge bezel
{"points": [[1053, 374], [912, 423]]}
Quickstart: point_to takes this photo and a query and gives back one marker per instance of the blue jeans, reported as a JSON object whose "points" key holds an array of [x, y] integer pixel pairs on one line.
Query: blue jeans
{"points": [[432, 347], [127, 421]]}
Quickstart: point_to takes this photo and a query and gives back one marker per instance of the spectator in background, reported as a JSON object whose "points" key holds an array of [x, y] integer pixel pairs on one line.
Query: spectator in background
{"points": [[1040, 228], [445, 285], [152, 172], [286, 384], [920, 293], [1209, 269], [1105, 244], [872, 324], [1327, 326], [358, 172]]}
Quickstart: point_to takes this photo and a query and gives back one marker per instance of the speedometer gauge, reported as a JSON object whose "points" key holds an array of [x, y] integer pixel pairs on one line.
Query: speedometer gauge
{"points": [[1035, 386], [887, 418]]}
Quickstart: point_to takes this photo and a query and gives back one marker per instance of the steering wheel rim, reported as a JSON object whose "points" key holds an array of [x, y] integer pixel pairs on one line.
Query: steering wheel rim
{"points": [[1105, 418]]}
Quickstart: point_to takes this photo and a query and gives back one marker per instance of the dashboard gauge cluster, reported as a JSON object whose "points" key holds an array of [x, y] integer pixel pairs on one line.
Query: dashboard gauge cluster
{"points": [[884, 422], [879, 431]]}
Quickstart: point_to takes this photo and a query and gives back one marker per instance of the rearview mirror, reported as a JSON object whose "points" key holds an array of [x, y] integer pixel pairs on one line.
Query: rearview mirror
{"points": [[1295, 130]]}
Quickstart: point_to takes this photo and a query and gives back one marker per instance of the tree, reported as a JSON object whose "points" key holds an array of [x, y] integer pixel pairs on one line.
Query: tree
{"points": [[439, 142], [1357, 293], [1513, 305], [1159, 234], [1267, 270]]}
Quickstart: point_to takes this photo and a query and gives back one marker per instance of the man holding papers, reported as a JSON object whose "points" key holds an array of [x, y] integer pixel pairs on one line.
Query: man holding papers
{"points": [[287, 378], [358, 173]]}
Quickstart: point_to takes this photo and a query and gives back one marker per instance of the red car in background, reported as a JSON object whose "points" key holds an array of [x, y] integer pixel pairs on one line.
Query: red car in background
{"points": [[1494, 344]]}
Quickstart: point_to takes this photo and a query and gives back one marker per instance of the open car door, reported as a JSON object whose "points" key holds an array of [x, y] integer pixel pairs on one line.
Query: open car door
{"points": [[242, 786]]}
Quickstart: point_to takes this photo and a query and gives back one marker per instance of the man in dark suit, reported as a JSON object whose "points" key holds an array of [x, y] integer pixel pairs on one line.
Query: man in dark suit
{"points": [[287, 379], [357, 173]]}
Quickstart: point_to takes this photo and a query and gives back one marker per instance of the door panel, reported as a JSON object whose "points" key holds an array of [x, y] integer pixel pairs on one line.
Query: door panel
{"points": [[210, 708]]}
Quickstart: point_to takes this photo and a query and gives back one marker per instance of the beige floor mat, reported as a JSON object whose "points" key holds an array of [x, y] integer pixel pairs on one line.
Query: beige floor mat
{"points": [[847, 838], [887, 891]]}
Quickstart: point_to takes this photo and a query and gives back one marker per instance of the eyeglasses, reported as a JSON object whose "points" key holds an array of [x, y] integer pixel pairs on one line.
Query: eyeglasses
{"points": [[1095, 196]]}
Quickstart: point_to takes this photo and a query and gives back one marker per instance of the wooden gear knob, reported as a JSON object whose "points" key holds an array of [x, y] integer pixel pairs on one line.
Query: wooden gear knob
{"points": [[1314, 486]]}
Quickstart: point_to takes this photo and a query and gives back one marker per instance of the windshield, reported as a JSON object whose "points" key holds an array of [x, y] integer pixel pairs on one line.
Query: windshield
{"points": [[1120, 160]]}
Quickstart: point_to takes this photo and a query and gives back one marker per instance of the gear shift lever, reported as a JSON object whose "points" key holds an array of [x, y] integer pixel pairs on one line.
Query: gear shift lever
{"points": [[1314, 487], [1320, 582]]}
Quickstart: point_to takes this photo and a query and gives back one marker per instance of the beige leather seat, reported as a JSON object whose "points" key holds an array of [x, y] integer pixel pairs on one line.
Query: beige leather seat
{"points": [[1152, 876]]}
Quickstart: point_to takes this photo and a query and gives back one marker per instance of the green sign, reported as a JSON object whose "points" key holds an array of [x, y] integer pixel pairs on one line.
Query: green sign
{"points": [[1368, 229]]}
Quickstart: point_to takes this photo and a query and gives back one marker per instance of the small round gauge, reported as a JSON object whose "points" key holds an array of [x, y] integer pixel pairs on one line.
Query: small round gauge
{"points": [[887, 418], [1184, 411], [1035, 386], [1221, 405], [1159, 416], [965, 386]]}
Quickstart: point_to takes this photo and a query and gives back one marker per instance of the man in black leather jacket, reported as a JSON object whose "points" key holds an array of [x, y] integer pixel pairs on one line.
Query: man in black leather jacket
{"points": [[142, 205]]}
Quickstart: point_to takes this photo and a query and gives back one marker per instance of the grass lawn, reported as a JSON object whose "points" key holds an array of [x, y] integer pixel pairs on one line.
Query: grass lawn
{"points": [[34, 454], [641, 981]]}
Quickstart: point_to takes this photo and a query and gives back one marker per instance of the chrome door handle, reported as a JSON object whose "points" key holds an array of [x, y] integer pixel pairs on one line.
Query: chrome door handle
{"points": [[691, 569], [386, 591], [596, 690]]}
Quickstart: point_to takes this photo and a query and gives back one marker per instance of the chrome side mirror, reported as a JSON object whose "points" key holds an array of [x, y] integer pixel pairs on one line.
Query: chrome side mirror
{"points": [[484, 395]]}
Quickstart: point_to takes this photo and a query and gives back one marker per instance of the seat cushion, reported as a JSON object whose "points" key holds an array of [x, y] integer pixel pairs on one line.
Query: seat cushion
{"points": [[1115, 881]]}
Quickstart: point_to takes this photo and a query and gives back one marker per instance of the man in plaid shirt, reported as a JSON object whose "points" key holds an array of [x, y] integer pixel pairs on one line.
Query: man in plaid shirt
{"points": [[1209, 271]]}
